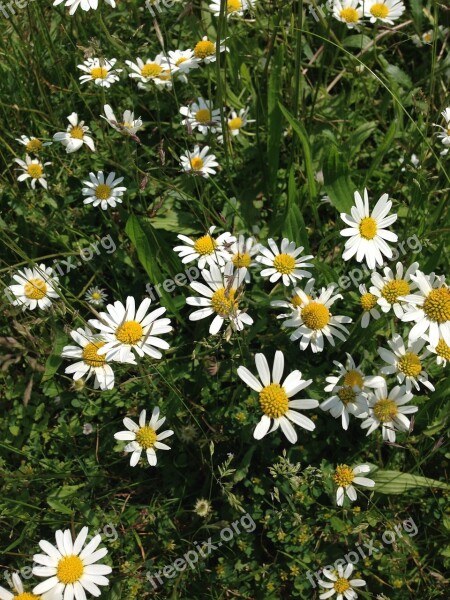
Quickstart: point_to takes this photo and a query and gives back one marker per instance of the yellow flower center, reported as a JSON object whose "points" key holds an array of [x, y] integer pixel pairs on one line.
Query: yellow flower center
{"points": [[204, 48], [427, 37], [341, 585], [77, 132], [273, 401], [315, 315], [151, 70], [146, 437], [205, 245], [224, 304], [35, 288], [70, 569], [35, 170], [233, 6], [34, 145], [379, 11], [130, 332], [165, 75], [350, 15], [203, 115], [235, 123], [90, 354], [96, 295], [385, 410], [346, 394], [26, 596], [102, 191], [393, 289], [353, 378], [368, 228], [443, 350], [368, 301], [284, 263], [180, 61], [196, 163], [410, 364], [241, 260], [343, 475], [99, 73], [437, 305], [296, 301]]}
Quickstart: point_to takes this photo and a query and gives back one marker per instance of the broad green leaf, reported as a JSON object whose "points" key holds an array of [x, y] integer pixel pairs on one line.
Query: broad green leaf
{"points": [[359, 136], [396, 482], [360, 41], [338, 184]]}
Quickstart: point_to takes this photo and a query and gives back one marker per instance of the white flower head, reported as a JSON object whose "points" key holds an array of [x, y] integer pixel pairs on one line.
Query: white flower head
{"points": [[155, 71], [206, 249], [101, 192], [85, 4], [441, 350], [75, 136], [144, 437], [96, 295], [125, 329], [199, 162], [32, 144], [18, 592], [367, 231], [242, 251], [444, 134], [70, 568], [368, 303], [349, 12], [181, 62], [128, 126], [200, 115], [390, 288], [340, 584], [388, 410], [275, 399], [205, 50], [35, 287], [32, 169], [313, 320], [237, 121], [345, 477], [295, 301], [220, 297], [100, 71], [406, 363], [385, 11], [284, 263]]}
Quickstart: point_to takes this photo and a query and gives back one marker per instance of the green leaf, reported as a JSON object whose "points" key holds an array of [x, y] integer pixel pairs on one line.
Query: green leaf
{"points": [[359, 41], [396, 482], [338, 184], [359, 136], [55, 359], [294, 225], [382, 150], [275, 125]]}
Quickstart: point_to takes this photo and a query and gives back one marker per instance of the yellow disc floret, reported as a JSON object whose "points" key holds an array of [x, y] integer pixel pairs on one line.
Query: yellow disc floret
{"points": [[102, 191], [70, 569], [130, 332], [76, 132], [346, 394], [273, 401], [409, 364], [90, 354], [146, 437], [223, 302], [35, 288], [34, 145], [35, 170], [203, 115], [284, 263], [379, 10], [368, 228], [343, 475], [233, 6], [26, 596], [395, 288], [368, 301], [241, 260], [99, 73], [354, 378], [205, 245], [197, 163], [204, 48], [235, 123], [349, 15], [316, 315], [437, 305], [151, 70], [341, 585], [385, 410], [443, 350]]}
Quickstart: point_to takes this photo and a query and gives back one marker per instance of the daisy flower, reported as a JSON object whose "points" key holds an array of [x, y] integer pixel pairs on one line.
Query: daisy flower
{"points": [[367, 232], [124, 329], [219, 297], [205, 50], [151, 71], [348, 389], [201, 116], [388, 410], [32, 169], [144, 437], [100, 71], [294, 301], [182, 61], [232, 7], [96, 296], [103, 192], [442, 351], [349, 12], [34, 287], [313, 320], [32, 144], [75, 136], [85, 4], [386, 11], [340, 584], [237, 121], [368, 302], [89, 362], [19, 593], [406, 363], [345, 477], [429, 307], [274, 398], [444, 135], [128, 126], [389, 288], [199, 162], [69, 567], [283, 263], [206, 249], [242, 251]]}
